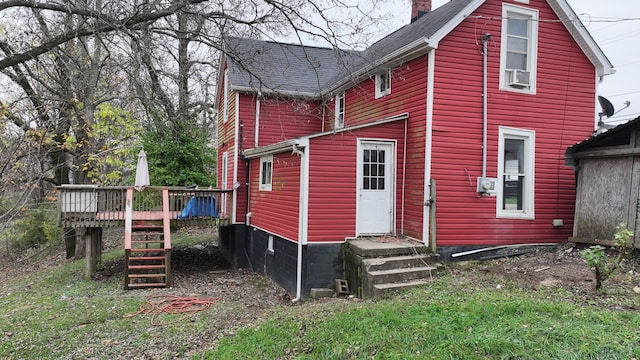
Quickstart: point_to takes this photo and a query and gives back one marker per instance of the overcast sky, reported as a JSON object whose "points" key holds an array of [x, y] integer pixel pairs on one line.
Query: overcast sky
{"points": [[615, 26]]}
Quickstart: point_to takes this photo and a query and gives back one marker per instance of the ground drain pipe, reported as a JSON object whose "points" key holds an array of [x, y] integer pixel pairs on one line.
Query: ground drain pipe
{"points": [[471, 252]]}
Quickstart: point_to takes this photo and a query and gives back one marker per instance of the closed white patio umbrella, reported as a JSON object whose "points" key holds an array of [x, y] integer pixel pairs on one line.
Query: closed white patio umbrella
{"points": [[142, 172]]}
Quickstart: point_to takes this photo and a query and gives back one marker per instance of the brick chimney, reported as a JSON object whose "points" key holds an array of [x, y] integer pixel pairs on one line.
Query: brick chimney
{"points": [[419, 8]]}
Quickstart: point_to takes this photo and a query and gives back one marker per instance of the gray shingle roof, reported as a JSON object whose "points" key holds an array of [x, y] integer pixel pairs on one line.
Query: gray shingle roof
{"points": [[257, 65]]}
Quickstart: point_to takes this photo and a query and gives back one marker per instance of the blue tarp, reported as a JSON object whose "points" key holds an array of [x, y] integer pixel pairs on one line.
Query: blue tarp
{"points": [[199, 206]]}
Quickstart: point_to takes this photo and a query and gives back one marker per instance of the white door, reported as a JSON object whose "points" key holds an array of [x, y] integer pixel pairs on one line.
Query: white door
{"points": [[375, 188]]}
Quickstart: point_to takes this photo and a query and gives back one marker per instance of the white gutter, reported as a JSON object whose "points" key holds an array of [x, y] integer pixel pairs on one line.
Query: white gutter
{"points": [[427, 148], [271, 149], [303, 212]]}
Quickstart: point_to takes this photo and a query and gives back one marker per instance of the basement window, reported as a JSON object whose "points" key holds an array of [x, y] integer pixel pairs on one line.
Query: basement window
{"points": [[270, 248]]}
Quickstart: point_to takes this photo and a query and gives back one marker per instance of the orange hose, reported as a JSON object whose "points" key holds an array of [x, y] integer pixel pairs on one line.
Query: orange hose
{"points": [[170, 304]]}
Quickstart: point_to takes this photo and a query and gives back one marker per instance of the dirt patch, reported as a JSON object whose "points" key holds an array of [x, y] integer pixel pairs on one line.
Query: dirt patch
{"points": [[560, 267]]}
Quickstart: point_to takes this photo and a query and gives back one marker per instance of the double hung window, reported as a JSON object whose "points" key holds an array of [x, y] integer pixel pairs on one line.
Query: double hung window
{"points": [[519, 47], [515, 195]]}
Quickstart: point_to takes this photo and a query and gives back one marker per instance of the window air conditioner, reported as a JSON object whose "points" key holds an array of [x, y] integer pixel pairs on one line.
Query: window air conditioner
{"points": [[518, 78]]}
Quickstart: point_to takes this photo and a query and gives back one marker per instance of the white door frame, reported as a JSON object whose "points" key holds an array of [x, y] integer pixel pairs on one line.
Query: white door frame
{"points": [[390, 185]]}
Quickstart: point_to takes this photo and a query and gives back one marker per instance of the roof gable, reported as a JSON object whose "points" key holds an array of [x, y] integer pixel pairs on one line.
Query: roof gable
{"points": [[307, 71]]}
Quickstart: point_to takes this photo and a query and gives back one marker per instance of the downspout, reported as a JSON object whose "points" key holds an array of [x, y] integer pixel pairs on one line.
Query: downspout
{"points": [[485, 39], [302, 223], [236, 185], [404, 174], [427, 149]]}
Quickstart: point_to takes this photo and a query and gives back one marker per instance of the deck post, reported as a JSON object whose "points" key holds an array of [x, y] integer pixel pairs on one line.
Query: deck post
{"points": [[93, 251], [128, 218], [166, 218]]}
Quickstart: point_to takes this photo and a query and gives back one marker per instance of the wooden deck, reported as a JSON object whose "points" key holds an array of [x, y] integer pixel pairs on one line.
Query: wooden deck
{"points": [[87, 206], [154, 211]]}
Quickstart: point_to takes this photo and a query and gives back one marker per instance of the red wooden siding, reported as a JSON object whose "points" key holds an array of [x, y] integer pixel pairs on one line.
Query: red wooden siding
{"points": [[561, 113], [408, 94], [332, 180], [226, 139], [277, 211], [246, 116], [283, 119]]}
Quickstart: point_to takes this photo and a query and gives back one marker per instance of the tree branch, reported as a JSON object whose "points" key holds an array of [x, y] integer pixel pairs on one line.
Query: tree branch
{"points": [[126, 23]]}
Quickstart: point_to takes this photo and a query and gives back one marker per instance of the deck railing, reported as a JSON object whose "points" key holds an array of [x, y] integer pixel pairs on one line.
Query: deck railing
{"points": [[102, 206]]}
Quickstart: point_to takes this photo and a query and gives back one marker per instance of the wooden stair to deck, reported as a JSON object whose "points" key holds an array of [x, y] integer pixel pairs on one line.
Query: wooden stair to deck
{"points": [[147, 245], [147, 260]]}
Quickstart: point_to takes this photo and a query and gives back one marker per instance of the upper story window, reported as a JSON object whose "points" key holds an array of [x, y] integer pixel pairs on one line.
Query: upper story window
{"points": [[515, 190], [225, 88], [383, 84], [339, 120], [519, 49], [266, 172]]}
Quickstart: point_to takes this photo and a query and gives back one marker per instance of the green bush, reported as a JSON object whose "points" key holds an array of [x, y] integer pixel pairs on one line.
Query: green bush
{"points": [[38, 228]]}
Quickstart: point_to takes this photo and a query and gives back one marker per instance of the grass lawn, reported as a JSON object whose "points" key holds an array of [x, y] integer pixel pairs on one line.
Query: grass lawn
{"points": [[443, 321], [54, 314]]}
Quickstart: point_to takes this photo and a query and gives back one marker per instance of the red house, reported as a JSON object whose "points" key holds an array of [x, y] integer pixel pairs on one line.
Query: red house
{"points": [[450, 131]]}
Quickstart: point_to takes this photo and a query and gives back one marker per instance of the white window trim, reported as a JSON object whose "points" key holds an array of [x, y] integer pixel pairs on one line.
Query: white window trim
{"points": [[266, 186], [378, 81], [224, 173], [225, 113], [532, 58], [339, 113], [270, 247], [528, 207]]}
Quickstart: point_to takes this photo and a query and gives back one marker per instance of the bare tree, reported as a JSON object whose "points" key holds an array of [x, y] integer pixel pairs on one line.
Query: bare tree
{"points": [[154, 60]]}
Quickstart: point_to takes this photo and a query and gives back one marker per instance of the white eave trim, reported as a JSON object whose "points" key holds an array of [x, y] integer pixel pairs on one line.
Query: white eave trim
{"points": [[403, 116], [455, 21], [582, 36], [267, 91], [303, 142], [407, 52]]}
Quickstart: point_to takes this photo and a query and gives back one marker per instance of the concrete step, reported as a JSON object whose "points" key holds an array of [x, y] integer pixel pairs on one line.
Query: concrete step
{"points": [[368, 248], [398, 262], [380, 289], [400, 275]]}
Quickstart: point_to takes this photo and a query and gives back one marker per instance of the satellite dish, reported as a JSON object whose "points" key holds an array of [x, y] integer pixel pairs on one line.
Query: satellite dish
{"points": [[607, 107]]}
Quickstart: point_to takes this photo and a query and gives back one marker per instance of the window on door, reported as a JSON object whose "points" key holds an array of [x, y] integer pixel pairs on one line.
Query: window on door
{"points": [[373, 169], [266, 172], [516, 156]]}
